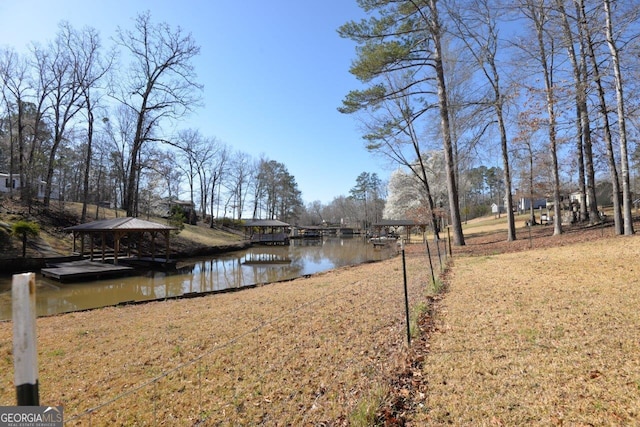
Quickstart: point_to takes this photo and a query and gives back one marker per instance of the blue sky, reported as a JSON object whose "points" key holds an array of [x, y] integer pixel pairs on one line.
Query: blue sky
{"points": [[274, 73]]}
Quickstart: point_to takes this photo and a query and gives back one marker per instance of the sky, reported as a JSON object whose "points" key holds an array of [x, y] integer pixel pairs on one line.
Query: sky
{"points": [[274, 73]]}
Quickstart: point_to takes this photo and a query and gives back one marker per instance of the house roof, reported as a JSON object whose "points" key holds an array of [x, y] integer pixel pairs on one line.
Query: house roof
{"points": [[124, 224]]}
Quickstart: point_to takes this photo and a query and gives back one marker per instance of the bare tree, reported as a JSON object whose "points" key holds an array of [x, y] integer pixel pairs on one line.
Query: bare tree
{"points": [[90, 68], [526, 149], [191, 144], [622, 128], [203, 175], [13, 77], [588, 207], [241, 172], [169, 170], [258, 187], [160, 85], [66, 96], [32, 130], [392, 132], [537, 12], [588, 36], [479, 31], [119, 131]]}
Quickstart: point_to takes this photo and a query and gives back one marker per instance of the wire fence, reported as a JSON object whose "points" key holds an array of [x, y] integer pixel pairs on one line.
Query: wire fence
{"points": [[314, 362]]}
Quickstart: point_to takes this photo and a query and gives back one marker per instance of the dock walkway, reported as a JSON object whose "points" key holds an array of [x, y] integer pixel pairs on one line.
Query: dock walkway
{"points": [[84, 269]]}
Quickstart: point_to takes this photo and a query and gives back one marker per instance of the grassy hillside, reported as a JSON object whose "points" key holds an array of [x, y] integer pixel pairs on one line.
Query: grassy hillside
{"points": [[54, 241]]}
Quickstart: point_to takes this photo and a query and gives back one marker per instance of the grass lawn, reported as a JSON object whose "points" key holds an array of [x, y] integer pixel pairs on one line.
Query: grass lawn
{"points": [[314, 350], [546, 336], [540, 331]]}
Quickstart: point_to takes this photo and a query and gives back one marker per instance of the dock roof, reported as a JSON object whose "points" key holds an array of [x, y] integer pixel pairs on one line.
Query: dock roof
{"points": [[265, 223], [120, 224]]}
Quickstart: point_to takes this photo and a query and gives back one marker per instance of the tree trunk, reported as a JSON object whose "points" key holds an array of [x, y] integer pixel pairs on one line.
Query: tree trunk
{"points": [[613, 172], [538, 19], [24, 245], [452, 187], [87, 167], [511, 223], [131, 182], [624, 157], [531, 195], [592, 208], [582, 125]]}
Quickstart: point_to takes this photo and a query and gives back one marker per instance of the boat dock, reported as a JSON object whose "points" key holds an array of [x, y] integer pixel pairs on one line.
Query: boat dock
{"points": [[149, 262], [67, 271]]}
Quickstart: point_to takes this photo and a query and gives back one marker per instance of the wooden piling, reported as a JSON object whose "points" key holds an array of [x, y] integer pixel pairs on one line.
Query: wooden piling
{"points": [[25, 354]]}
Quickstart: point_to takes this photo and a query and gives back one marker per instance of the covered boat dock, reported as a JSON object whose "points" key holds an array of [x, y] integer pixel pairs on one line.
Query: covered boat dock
{"points": [[390, 228], [267, 231], [115, 230]]}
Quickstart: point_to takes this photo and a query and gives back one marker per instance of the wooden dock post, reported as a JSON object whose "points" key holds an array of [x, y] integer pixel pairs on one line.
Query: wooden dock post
{"points": [[25, 354]]}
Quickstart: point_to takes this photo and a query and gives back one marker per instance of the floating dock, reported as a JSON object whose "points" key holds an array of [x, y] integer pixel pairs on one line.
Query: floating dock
{"points": [[149, 262], [85, 269]]}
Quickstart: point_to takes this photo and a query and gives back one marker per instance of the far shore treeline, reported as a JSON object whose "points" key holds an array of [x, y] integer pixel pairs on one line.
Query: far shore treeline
{"points": [[476, 106]]}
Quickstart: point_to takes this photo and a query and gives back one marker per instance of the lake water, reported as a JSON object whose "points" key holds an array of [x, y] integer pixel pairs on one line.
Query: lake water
{"points": [[255, 265]]}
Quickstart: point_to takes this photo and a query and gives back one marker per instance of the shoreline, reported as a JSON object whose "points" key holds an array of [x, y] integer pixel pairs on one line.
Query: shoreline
{"points": [[290, 337], [140, 271], [192, 295], [17, 265]]}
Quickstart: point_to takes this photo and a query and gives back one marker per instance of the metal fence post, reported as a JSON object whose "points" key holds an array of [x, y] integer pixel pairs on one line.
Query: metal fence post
{"points": [[406, 293]]}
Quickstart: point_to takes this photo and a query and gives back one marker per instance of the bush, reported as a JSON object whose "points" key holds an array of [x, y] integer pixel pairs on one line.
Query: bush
{"points": [[177, 217]]}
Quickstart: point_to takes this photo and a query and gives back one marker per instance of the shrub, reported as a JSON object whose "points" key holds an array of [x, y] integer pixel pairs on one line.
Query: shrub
{"points": [[177, 217]]}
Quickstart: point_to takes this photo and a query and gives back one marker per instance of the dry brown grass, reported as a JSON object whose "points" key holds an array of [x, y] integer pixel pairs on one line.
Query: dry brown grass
{"points": [[534, 332], [547, 336], [320, 349], [208, 236]]}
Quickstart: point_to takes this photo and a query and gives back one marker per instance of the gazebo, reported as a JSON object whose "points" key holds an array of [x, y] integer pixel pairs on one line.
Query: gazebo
{"points": [[267, 231], [118, 228]]}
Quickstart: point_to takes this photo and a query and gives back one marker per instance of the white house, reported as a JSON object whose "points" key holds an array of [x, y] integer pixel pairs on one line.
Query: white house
{"points": [[495, 209], [162, 207], [576, 197], [8, 182], [524, 204]]}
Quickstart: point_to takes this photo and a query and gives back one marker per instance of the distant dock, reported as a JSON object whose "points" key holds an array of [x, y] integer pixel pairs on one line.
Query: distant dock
{"points": [[85, 269]]}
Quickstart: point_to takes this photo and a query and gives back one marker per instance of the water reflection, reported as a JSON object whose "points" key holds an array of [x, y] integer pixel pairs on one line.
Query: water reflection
{"points": [[258, 264]]}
